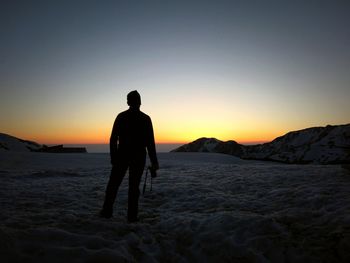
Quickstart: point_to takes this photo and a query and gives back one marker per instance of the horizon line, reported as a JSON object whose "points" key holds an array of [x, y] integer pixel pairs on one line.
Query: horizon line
{"points": [[160, 143], [106, 142]]}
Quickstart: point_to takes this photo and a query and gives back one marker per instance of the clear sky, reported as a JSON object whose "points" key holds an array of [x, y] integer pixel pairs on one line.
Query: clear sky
{"points": [[242, 70]]}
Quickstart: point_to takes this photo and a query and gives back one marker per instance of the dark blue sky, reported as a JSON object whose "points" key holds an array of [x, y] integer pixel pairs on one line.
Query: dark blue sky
{"points": [[278, 65]]}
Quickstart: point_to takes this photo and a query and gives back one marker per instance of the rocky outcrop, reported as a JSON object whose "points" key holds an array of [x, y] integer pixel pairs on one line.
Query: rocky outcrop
{"points": [[212, 145], [61, 149], [325, 145]]}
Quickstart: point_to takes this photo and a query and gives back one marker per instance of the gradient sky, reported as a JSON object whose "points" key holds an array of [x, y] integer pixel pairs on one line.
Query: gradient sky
{"points": [[243, 70]]}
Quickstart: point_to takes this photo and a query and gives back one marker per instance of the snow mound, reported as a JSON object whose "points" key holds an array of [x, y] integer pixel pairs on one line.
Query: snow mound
{"points": [[200, 145], [10, 143]]}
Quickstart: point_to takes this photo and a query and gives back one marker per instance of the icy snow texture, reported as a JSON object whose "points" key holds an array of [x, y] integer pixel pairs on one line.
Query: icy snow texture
{"points": [[330, 144], [203, 208]]}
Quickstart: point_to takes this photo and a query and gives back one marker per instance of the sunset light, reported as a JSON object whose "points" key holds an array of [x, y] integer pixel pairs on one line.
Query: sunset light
{"points": [[175, 131], [216, 70]]}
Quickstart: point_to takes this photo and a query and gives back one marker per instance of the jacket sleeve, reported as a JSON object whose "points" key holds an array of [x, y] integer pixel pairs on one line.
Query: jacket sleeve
{"points": [[113, 141], [151, 147]]}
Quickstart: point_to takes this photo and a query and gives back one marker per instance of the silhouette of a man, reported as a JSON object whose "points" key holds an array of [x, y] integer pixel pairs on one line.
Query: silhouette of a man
{"points": [[132, 134]]}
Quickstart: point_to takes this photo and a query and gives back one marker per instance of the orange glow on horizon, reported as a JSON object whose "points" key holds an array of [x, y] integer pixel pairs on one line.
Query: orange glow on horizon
{"points": [[76, 139], [165, 133]]}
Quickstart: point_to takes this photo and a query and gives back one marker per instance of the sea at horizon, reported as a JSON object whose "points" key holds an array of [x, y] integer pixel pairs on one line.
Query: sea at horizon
{"points": [[104, 148]]}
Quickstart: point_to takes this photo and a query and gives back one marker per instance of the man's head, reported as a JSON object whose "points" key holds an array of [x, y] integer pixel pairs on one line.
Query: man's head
{"points": [[134, 99]]}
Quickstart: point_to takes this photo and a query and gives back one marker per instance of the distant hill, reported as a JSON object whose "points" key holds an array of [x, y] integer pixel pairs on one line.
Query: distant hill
{"points": [[11, 143], [325, 145]]}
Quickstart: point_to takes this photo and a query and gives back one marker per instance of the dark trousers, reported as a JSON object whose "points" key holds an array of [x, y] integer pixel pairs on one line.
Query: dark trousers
{"points": [[136, 167]]}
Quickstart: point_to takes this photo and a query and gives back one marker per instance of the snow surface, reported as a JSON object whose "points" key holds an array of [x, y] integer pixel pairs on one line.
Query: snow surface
{"points": [[204, 207]]}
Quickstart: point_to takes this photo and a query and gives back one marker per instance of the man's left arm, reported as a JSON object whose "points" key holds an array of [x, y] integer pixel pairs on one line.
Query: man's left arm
{"points": [[151, 146]]}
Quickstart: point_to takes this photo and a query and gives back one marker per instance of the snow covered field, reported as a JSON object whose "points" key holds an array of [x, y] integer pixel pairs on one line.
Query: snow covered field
{"points": [[203, 208]]}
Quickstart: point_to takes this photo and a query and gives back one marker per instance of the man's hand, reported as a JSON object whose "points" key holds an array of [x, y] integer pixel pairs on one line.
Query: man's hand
{"points": [[153, 169], [155, 166]]}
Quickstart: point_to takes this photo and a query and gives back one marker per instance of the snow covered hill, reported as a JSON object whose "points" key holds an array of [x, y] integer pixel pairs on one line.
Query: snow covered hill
{"points": [[13, 144], [212, 145], [10, 143], [326, 145]]}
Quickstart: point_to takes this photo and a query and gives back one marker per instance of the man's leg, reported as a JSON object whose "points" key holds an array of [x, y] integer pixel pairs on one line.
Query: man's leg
{"points": [[115, 179], [135, 174]]}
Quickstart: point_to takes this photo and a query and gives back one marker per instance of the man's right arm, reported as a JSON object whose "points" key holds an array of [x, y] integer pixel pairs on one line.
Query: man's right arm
{"points": [[113, 142]]}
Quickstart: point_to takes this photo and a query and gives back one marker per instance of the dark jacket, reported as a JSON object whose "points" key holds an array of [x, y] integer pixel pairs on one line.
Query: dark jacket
{"points": [[132, 134]]}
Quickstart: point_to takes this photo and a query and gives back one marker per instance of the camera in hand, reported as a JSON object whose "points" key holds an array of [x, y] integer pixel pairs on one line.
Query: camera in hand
{"points": [[152, 171]]}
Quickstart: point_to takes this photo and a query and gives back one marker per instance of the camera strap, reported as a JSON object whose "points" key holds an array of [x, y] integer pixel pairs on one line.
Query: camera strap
{"points": [[144, 184]]}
